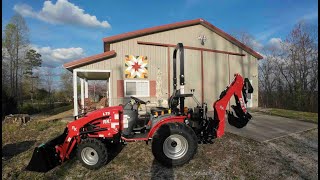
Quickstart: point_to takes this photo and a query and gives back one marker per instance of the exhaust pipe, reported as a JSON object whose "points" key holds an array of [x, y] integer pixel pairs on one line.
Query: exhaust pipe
{"points": [[45, 156]]}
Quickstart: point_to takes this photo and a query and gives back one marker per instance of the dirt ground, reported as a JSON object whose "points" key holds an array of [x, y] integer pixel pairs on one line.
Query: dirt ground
{"points": [[230, 157]]}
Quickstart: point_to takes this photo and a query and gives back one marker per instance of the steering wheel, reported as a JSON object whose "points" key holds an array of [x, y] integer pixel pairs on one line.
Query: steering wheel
{"points": [[137, 100]]}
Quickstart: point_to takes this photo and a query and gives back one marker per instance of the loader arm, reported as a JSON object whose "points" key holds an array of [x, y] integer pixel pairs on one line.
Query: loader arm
{"points": [[103, 123], [236, 88]]}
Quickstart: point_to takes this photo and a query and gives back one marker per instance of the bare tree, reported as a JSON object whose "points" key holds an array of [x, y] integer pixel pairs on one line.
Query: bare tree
{"points": [[288, 75], [15, 42], [32, 61], [48, 83], [299, 67], [97, 88], [5, 70], [67, 88], [247, 39]]}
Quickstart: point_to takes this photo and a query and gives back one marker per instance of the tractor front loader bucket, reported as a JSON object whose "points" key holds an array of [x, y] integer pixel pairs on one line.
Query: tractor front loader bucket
{"points": [[45, 157]]}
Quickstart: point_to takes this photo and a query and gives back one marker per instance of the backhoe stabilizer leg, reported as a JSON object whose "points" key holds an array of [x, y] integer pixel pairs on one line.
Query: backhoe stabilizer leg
{"points": [[209, 131]]}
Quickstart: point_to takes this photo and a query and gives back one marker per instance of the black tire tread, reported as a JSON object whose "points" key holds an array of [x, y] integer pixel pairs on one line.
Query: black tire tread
{"points": [[99, 147], [159, 137]]}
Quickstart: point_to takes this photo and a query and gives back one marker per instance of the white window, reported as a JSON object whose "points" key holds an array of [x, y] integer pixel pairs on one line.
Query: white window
{"points": [[137, 88]]}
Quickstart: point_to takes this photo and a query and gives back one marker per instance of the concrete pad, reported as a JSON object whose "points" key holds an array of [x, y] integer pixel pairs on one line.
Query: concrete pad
{"points": [[263, 127]]}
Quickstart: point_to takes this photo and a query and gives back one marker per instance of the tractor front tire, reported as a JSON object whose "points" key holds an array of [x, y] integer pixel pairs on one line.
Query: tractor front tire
{"points": [[174, 144], [92, 153]]}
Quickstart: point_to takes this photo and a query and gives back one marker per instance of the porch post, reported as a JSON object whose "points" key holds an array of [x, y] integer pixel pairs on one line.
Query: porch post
{"points": [[86, 94], [109, 92], [75, 95], [82, 94]]}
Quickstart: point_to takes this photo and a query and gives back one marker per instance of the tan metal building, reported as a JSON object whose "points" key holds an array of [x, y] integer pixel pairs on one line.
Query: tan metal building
{"points": [[139, 63]]}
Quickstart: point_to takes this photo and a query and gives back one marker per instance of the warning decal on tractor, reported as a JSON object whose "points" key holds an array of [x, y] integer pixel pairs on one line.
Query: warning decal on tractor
{"points": [[125, 121]]}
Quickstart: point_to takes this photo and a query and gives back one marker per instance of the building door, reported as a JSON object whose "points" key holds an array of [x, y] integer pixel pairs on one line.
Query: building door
{"points": [[249, 97]]}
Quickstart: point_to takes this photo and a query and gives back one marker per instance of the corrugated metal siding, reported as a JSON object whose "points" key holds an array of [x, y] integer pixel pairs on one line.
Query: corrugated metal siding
{"points": [[192, 72], [216, 76], [248, 68], [253, 74], [157, 59], [216, 73]]}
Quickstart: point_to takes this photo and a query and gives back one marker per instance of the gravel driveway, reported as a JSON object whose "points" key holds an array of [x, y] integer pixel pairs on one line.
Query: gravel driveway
{"points": [[263, 127]]}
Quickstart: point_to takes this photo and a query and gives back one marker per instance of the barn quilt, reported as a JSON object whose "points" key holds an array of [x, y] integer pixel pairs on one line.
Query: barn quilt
{"points": [[136, 67]]}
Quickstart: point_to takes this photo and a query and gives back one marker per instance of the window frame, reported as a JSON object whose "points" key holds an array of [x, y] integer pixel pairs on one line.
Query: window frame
{"points": [[125, 88]]}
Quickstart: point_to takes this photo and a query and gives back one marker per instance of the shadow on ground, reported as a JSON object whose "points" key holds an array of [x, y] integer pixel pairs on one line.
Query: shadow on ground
{"points": [[11, 150], [113, 151], [159, 171], [63, 171]]}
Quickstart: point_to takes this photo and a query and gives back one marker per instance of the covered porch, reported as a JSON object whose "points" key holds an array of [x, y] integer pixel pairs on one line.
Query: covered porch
{"points": [[86, 75], [81, 69]]}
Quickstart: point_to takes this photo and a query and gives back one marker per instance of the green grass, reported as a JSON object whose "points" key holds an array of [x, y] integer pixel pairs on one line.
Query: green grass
{"points": [[43, 108], [14, 132], [308, 116], [58, 110]]}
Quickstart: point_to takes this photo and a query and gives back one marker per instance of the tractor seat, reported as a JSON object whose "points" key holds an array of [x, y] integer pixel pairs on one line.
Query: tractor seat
{"points": [[157, 111]]}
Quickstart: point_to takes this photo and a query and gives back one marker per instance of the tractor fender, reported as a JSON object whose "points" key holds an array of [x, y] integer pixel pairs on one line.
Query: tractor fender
{"points": [[163, 121], [107, 117]]}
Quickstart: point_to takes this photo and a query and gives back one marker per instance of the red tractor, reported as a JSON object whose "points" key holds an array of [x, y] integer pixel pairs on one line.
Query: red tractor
{"points": [[174, 133]]}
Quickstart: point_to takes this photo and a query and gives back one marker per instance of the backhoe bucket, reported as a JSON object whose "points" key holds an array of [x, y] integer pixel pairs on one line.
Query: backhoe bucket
{"points": [[45, 157], [242, 119]]}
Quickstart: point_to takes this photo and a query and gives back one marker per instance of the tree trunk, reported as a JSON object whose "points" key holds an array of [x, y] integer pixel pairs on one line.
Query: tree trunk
{"points": [[17, 68], [11, 77]]}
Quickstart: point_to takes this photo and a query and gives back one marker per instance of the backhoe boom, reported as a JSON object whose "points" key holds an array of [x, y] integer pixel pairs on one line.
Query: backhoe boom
{"points": [[234, 89]]}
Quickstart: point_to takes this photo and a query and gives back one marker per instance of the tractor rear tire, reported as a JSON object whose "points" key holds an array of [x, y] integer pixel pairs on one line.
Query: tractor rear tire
{"points": [[92, 153], [174, 144]]}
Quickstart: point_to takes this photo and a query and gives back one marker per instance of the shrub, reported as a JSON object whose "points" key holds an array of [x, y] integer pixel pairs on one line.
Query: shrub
{"points": [[28, 108]]}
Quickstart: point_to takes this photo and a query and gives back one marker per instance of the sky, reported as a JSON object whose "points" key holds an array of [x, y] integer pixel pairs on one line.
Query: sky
{"points": [[66, 30]]}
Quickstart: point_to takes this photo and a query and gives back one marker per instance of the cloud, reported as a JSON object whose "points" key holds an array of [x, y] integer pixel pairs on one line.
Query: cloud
{"points": [[276, 28], [310, 16], [52, 61], [256, 45], [269, 32], [275, 43], [57, 57], [52, 74], [54, 71], [248, 40], [63, 12]]}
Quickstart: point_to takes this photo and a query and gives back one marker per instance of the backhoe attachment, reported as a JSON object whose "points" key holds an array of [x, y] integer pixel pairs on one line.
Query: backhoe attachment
{"points": [[242, 115], [238, 88]]}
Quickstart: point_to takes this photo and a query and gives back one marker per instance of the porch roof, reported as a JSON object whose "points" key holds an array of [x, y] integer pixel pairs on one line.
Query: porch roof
{"points": [[93, 75], [87, 60]]}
